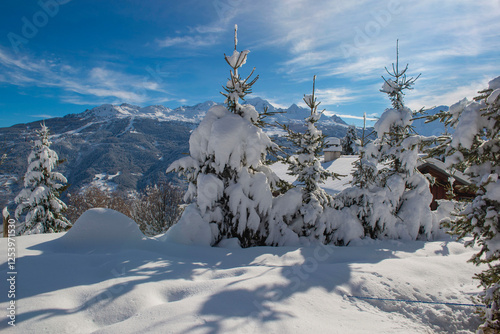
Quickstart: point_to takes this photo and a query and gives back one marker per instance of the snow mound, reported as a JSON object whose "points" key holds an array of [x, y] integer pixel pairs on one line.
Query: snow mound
{"points": [[191, 229], [103, 228]]}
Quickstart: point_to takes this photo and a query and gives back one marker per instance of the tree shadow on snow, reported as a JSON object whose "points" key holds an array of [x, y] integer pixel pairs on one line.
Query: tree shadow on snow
{"points": [[325, 267], [105, 276]]}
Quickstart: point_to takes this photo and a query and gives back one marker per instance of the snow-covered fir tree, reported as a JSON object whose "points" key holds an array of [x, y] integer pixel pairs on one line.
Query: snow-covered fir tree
{"points": [[361, 198], [310, 220], [365, 172], [39, 200], [397, 149], [350, 142], [228, 181], [475, 144], [393, 200]]}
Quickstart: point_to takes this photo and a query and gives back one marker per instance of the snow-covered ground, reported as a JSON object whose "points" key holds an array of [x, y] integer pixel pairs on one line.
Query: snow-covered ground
{"points": [[103, 276]]}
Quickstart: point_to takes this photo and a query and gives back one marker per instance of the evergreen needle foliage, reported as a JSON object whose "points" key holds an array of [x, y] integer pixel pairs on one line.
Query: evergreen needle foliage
{"points": [[386, 174], [350, 142], [229, 181], [39, 200], [306, 165], [475, 148]]}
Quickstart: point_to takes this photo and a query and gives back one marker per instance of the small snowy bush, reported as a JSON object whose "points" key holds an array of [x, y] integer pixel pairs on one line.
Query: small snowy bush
{"points": [[93, 197], [157, 208]]}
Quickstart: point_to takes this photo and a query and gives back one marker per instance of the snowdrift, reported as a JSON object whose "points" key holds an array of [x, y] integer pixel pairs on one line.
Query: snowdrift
{"points": [[102, 229]]}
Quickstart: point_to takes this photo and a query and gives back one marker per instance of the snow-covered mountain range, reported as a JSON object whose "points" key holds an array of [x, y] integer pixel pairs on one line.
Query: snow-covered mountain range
{"points": [[194, 114], [125, 147]]}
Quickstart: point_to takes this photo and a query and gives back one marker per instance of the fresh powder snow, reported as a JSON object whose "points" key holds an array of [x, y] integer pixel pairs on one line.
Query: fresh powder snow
{"points": [[103, 276]]}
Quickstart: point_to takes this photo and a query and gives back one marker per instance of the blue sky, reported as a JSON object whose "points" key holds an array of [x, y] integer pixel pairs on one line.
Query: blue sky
{"points": [[59, 56]]}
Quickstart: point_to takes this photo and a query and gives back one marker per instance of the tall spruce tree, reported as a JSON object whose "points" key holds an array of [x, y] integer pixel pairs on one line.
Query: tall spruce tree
{"points": [[39, 200], [394, 126], [397, 149], [475, 145], [396, 185], [228, 181], [306, 165]]}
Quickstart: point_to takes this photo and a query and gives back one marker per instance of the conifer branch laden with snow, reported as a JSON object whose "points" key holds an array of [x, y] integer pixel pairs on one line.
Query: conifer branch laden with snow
{"points": [[310, 220], [386, 175], [229, 183], [474, 148], [237, 88], [39, 200]]}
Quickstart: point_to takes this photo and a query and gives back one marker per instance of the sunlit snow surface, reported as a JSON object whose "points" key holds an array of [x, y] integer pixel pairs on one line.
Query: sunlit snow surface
{"points": [[103, 276]]}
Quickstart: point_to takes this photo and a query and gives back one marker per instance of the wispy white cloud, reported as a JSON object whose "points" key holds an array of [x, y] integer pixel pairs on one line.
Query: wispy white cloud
{"points": [[188, 41], [446, 95], [356, 39], [119, 94], [43, 116], [100, 84], [334, 96], [360, 68], [368, 118], [78, 99], [209, 34], [208, 29]]}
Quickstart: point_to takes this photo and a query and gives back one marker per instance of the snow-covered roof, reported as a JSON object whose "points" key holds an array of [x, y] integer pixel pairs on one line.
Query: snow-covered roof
{"points": [[332, 141], [439, 165], [332, 144], [332, 149]]}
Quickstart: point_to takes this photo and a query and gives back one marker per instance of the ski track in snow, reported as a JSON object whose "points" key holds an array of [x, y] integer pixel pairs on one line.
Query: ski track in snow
{"points": [[73, 132], [104, 278], [129, 127]]}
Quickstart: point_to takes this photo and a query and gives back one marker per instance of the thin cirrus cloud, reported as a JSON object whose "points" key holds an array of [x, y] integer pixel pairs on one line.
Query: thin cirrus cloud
{"points": [[360, 67], [359, 46], [428, 97], [42, 116], [203, 35], [335, 96], [189, 41], [368, 117], [97, 85]]}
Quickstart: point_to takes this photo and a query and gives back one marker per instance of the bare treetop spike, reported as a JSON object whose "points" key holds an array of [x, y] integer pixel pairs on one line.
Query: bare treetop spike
{"points": [[235, 36]]}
